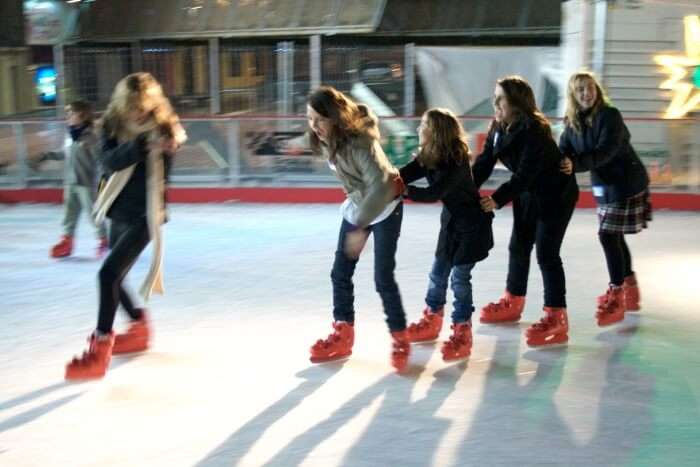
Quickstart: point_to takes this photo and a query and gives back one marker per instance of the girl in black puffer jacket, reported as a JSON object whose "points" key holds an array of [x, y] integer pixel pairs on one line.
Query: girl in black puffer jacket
{"points": [[543, 201], [596, 139]]}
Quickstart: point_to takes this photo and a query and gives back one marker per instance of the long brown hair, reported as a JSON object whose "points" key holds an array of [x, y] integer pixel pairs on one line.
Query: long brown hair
{"points": [[348, 119], [572, 106], [522, 100], [447, 139], [141, 92]]}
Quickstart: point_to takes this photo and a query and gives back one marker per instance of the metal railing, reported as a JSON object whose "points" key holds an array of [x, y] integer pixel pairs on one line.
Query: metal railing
{"points": [[261, 150]]}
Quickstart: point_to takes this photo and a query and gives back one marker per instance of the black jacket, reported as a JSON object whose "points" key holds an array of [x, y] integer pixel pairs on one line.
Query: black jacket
{"points": [[130, 204], [604, 148], [531, 154], [465, 230]]}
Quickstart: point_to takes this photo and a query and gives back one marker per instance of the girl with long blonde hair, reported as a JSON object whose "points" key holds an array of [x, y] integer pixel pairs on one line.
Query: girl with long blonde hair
{"points": [[596, 139], [140, 133]]}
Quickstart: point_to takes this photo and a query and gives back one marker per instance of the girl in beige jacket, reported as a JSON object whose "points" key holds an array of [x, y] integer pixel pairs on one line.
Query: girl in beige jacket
{"points": [[348, 136]]}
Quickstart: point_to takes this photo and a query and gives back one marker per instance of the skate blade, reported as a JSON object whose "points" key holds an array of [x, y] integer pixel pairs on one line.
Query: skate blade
{"points": [[554, 342], [426, 341], [456, 360], [610, 323], [128, 353], [507, 322], [336, 358]]}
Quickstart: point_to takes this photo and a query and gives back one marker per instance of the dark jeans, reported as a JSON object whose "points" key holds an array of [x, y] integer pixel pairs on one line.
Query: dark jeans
{"points": [[126, 240], [546, 233], [617, 255], [386, 236], [461, 286]]}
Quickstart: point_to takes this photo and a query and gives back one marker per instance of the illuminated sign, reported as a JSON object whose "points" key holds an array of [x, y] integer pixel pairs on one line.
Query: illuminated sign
{"points": [[684, 72], [45, 80]]}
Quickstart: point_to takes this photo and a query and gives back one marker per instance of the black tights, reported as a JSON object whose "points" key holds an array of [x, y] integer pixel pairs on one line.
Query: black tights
{"points": [[127, 241], [617, 255]]}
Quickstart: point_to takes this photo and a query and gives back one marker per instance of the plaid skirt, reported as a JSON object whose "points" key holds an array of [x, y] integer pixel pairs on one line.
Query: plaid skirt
{"points": [[626, 217]]}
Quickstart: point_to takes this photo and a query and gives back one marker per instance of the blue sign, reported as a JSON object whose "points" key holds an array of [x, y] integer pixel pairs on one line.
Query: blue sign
{"points": [[45, 81]]}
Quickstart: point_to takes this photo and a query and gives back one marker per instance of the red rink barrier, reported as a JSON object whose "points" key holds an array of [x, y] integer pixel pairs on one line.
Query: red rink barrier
{"points": [[660, 200]]}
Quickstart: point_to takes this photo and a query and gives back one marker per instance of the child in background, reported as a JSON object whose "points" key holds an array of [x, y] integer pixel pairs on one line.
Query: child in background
{"points": [[79, 180]]}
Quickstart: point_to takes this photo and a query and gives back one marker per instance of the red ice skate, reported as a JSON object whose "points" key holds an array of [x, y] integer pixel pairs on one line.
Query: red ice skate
{"points": [[135, 339], [428, 328], [63, 248], [612, 308], [400, 350], [94, 361], [507, 310], [459, 346], [336, 346], [552, 329], [632, 295]]}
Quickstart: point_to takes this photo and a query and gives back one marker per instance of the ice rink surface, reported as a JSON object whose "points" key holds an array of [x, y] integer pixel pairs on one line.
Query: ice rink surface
{"points": [[228, 381]]}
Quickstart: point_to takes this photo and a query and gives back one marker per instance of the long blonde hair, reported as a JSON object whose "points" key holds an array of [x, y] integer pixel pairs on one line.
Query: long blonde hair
{"points": [[447, 139], [348, 119], [572, 106], [141, 92]]}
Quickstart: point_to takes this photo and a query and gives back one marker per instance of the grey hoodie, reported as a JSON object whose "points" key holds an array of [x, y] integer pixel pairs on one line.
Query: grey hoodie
{"points": [[80, 166]]}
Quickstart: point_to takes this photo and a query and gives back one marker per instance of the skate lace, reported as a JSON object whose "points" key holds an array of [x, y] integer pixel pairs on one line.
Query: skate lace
{"points": [[87, 356], [495, 307], [400, 347], [609, 301], [457, 339], [332, 338], [422, 324], [545, 323]]}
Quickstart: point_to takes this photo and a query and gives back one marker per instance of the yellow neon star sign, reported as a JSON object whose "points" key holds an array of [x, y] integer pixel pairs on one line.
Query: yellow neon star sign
{"points": [[686, 96]]}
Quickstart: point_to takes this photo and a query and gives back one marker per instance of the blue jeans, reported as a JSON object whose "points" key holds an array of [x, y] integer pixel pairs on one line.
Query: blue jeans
{"points": [[386, 236], [461, 286]]}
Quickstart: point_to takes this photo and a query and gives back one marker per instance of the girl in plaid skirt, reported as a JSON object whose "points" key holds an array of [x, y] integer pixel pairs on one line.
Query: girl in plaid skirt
{"points": [[596, 139]]}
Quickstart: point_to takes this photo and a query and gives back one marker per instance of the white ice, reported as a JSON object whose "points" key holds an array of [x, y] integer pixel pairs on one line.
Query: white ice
{"points": [[228, 381]]}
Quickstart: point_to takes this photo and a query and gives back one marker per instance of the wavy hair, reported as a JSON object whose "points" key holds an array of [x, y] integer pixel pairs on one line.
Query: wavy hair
{"points": [[572, 106], [347, 118], [522, 101], [140, 92], [447, 139]]}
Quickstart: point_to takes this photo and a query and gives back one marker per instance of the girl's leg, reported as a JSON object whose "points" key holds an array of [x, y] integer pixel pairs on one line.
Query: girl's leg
{"points": [[628, 271], [462, 288], [522, 240], [129, 240], [615, 257], [71, 209], [386, 236], [436, 296], [341, 277]]}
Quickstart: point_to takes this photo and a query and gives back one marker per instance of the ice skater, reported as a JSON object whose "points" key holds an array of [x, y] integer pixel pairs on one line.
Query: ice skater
{"points": [[543, 201], [81, 168], [140, 134], [348, 136], [596, 139], [465, 236]]}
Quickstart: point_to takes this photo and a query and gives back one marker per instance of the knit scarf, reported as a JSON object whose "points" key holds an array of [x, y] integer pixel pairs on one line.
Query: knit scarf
{"points": [[155, 191]]}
